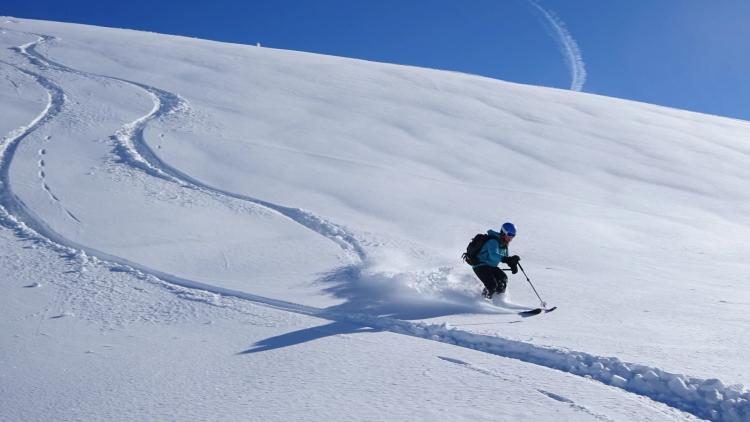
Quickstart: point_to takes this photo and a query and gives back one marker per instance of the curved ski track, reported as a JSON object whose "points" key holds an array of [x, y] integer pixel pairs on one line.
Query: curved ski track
{"points": [[703, 398]]}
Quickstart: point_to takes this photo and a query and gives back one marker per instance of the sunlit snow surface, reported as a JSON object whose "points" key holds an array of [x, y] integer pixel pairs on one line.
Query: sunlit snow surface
{"points": [[198, 230]]}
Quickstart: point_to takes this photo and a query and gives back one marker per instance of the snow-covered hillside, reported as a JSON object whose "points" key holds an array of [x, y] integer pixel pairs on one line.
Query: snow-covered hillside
{"points": [[193, 230]]}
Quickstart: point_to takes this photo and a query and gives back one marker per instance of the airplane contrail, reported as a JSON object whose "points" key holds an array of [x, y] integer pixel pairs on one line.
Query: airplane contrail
{"points": [[567, 45]]}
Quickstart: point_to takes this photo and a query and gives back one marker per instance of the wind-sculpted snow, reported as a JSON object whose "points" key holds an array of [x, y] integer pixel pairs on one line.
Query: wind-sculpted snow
{"points": [[707, 398]]}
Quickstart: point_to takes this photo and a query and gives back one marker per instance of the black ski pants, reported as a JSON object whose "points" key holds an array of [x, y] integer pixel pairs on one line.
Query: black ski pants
{"points": [[494, 278]]}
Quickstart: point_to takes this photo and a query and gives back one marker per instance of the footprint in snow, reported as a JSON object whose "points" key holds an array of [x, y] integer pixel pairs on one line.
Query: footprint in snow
{"points": [[556, 396], [574, 405]]}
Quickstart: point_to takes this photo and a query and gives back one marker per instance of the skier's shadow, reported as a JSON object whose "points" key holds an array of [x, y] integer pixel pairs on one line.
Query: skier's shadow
{"points": [[362, 297], [305, 335]]}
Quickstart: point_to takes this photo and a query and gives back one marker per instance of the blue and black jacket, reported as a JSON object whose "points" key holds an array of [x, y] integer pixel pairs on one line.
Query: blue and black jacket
{"points": [[493, 251]]}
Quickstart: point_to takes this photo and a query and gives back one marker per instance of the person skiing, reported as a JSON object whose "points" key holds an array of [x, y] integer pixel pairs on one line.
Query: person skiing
{"points": [[493, 252]]}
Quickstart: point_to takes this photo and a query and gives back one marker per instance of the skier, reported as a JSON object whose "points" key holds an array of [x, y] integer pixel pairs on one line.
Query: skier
{"points": [[493, 252]]}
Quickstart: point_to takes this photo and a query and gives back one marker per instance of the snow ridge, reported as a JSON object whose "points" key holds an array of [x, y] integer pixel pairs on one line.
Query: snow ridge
{"points": [[709, 399], [704, 398]]}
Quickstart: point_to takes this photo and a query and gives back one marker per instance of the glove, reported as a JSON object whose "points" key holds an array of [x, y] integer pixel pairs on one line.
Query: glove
{"points": [[512, 262]]}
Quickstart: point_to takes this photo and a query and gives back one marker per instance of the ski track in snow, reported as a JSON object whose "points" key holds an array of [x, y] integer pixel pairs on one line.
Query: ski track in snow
{"points": [[134, 151], [12, 205], [709, 399]]}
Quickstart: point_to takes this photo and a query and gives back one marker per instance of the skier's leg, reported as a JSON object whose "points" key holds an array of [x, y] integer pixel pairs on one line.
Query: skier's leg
{"points": [[486, 276], [501, 280]]}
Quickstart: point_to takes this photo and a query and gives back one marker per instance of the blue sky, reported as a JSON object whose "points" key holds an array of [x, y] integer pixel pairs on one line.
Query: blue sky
{"points": [[689, 54]]}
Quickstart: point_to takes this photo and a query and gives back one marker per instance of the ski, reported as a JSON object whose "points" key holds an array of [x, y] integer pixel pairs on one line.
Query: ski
{"points": [[536, 311], [521, 310], [529, 313]]}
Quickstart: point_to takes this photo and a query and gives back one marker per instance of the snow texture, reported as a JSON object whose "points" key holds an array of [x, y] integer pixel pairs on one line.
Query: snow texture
{"points": [[181, 181]]}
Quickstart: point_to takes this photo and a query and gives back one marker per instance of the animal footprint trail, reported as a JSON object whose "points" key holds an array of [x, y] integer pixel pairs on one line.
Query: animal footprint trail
{"points": [[43, 177]]}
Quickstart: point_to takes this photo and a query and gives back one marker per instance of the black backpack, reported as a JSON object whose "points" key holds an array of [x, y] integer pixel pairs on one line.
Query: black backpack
{"points": [[470, 256]]}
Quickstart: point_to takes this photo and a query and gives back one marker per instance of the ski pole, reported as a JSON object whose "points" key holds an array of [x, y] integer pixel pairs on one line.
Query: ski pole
{"points": [[544, 304]]}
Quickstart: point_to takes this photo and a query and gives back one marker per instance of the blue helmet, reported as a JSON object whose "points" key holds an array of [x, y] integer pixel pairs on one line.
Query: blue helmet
{"points": [[508, 228]]}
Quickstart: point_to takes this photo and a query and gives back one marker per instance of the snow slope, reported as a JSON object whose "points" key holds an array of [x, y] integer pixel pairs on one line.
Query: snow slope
{"points": [[225, 232]]}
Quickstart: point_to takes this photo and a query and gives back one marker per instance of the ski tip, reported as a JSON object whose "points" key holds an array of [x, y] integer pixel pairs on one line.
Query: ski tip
{"points": [[550, 309]]}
